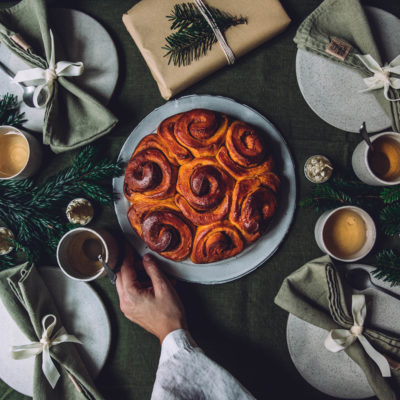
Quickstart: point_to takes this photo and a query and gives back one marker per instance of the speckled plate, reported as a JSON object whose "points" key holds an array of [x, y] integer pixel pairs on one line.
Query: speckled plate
{"points": [[332, 90], [336, 374], [254, 255], [83, 315], [85, 40]]}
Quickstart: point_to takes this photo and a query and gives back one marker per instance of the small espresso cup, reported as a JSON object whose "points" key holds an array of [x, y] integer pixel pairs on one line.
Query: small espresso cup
{"points": [[76, 263], [346, 233], [380, 167], [20, 153]]}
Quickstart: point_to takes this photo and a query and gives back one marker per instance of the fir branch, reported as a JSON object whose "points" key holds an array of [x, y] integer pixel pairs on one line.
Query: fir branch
{"points": [[34, 213], [9, 114], [390, 219], [194, 36], [390, 194], [388, 267]]}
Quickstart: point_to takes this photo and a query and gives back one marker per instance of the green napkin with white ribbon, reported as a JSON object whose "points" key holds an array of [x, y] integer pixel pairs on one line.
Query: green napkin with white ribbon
{"points": [[339, 30], [315, 294], [30, 304], [72, 118]]}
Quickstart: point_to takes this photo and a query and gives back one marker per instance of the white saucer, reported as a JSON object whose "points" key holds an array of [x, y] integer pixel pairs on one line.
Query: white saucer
{"points": [[332, 90], [83, 315], [336, 374], [85, 40]]}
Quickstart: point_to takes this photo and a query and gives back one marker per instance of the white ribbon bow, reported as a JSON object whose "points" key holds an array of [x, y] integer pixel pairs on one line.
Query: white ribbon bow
{"points": [[339, 339], [381, 78], [35, 348], [43, 79]]}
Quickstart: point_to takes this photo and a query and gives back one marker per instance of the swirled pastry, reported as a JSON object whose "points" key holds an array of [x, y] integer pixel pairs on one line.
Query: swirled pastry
{"points": [[216, 242], [162, 227], [150, 171], [254, 203], [204, 186], [201, 131], [204, 191], [245, 153]]}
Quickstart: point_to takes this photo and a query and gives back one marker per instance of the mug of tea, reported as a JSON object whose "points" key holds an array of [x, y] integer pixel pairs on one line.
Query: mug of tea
{"points": [[379, 166], [20, 153], [346, 233], [80, 264]]}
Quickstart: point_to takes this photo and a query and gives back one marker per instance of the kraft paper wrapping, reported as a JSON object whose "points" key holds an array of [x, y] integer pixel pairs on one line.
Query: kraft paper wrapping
{"points": [[147, 24]]}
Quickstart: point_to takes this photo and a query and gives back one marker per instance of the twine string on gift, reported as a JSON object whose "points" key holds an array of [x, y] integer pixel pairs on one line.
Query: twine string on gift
{"points": [[382, 77], [44, 79], [218, 34], [340, 339], [43, 346]]}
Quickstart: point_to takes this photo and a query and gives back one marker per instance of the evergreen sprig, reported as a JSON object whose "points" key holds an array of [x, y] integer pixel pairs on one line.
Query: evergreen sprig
{"points": [[34, 212], [388, 267], [194, 36], [9, 113]]}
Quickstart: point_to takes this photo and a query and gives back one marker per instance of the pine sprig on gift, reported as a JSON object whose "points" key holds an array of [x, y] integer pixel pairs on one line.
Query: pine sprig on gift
{"points": [[34, 212], [388, 267], [194, 36], [9, 114]]}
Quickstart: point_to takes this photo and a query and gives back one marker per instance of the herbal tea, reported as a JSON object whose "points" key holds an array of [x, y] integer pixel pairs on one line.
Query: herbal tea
{"points": [[345, 233], [14, 154], [384, 161]]}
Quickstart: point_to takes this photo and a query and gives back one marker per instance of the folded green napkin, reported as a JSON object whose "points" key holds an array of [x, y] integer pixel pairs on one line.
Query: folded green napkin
{"points": [[346, 20], [28, 300], [315, 294], [73, 118]]}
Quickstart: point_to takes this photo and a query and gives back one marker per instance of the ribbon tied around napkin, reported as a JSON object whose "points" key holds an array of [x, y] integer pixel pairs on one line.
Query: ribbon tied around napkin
{"points": [[382, 75], [339, 339], [44, 79], [43, 346]]}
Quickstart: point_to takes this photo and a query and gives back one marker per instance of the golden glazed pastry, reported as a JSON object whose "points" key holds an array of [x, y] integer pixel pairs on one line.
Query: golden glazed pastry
{"points": [[203, 187]]}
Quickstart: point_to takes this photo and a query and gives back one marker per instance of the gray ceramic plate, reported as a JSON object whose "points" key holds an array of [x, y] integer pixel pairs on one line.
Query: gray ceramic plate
{"points": [[336, 374], [332, 90], [83, 315], [254, 255], [87, 41]]}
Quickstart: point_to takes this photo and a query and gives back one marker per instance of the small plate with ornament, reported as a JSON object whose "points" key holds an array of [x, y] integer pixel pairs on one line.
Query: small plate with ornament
{"points": [[84, 39], [336, 374], [87, 320], [253, 255]]}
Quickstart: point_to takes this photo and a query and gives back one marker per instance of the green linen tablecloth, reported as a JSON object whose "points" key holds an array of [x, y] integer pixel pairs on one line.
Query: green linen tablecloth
{"points": [[237, 324]]}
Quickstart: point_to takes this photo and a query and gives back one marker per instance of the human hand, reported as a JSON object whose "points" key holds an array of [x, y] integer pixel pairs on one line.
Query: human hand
{"points": [[156, 308]]}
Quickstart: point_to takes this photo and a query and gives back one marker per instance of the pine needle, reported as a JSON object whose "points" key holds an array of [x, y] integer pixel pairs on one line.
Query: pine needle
{"points": [[388, 267], [9, 113]]}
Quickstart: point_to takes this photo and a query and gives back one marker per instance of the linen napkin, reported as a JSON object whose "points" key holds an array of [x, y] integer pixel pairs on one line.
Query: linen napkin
{"points": [[346, 20], [73, 118], [27, 299], [315, 294]]}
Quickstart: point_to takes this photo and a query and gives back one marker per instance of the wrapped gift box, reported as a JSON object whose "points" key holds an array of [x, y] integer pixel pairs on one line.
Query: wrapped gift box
{"points": [[148, 26]]}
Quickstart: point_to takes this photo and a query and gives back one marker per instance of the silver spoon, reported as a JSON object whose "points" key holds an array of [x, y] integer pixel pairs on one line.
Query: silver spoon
{"points": [[27, 96], [365, 136], [360, 279], [93, 249]]}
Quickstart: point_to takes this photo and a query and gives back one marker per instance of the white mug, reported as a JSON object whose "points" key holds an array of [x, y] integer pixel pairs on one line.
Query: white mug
{"points": [[321, 225], [34, 157], [361, 165], [64, 249]]}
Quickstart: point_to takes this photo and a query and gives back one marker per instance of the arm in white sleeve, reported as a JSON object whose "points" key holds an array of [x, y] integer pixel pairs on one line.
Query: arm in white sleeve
{"points": [[185, 372]]}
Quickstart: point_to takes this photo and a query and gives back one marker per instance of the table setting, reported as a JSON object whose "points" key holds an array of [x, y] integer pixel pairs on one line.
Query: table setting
{"points": [[253, 150]]}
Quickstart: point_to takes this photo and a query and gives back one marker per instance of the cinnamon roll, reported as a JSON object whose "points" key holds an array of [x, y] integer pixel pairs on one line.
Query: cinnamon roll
{"points": [[254, 203], [204, 191], [166, 131], [150, 171], [162, 227], [216, 242], [245, 153], [201, 131]]}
